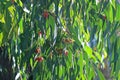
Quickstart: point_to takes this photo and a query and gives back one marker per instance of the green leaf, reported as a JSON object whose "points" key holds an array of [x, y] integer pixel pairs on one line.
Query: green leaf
{"points": [[60, 71], [80, 62], [71, 13], [1, 37], [69, 60], [52, 7], [11, 10], [48, 32], [88, 50], [113, 3], [87, 63], [31, 62], [101, 76], [52, 22], [92, 73], [98, 56], [2, 19], [109, 12], [20, 3], [118, 13], [117, 66], [21, 25]]}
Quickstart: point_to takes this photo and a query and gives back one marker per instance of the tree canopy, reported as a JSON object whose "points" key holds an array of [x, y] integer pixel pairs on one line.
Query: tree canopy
{"points": [[60, 39]]}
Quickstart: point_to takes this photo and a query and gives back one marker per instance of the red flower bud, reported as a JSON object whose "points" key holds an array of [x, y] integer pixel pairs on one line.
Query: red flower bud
{"points": [[39, 33], [66, 53], [45, 14], [39, 59]]}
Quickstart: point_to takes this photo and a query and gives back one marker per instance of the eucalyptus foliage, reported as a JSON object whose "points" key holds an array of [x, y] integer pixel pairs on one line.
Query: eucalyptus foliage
{"points": [[60, 39]]}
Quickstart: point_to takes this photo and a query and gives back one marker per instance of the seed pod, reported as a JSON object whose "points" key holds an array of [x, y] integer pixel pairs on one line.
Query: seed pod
{"points": [[12, 1], [104, 17], [94, 48], [50, 55], [59, 50], [68, 40]]}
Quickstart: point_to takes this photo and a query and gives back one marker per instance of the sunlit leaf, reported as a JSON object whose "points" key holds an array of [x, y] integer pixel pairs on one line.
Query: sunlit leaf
{"points": [[118, 13], [109, 12], [1, 37], [21, 25], [88, 50]]}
